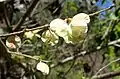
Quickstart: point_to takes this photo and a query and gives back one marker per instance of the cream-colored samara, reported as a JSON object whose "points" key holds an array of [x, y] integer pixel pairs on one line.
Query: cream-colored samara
{"points": [[79, 27]]}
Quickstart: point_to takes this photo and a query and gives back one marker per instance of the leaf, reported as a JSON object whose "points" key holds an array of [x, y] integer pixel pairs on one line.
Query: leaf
{"points": [[44, 68]]}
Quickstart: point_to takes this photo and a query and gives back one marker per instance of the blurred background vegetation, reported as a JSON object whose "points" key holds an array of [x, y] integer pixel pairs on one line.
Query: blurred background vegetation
{"points": [[103, 28]]}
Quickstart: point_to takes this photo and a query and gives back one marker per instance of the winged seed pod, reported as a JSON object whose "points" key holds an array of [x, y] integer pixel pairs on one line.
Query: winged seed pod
{"points": [[61, 28], [79, 27], [13, 42], [2, 0], [44, 68], [82, 17]]}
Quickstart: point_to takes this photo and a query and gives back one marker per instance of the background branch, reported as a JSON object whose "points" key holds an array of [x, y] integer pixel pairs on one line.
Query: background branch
{"points": [[27, 14], [118, 59], [25, 30], [107, 75], [92, 14]]}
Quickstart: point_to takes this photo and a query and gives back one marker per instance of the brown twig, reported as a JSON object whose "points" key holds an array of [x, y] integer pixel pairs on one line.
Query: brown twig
{"points": [[27, 56], [25, 30], [32, 13], [7, 21], [118, 59], [92, 14], [107, 75]]}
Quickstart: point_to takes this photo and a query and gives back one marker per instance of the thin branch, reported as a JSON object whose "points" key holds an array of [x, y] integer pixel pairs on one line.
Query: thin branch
{"points": [[117, 45], [114, 42], [27, 56], [95, 13], [107, 75], [47, 7], [118, 59], [69, 68], [28, 12], [20, 54], [25, 30], [7, 21], [32, 13], [3, 44], [107, 31]]}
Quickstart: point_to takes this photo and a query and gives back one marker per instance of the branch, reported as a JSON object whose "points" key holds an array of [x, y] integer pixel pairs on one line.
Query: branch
{"points": [[27, 56], [25, 30], [28, 12], [84, 53], [32, 13], [20, 54], [107, 31], [118, 59], [107, 75], [92, 14], [7, 20]]}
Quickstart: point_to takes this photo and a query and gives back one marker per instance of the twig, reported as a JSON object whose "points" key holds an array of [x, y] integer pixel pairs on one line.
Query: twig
{"points": [[7, 20], [25, 55], [117, 45], [107, 75], [24, 30], [32, 13], [20, 54], [118, 59], [3, 44], [114, 42], [107, 31], [69, 68], [92, 14], [47, 7], [28, 12]]}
